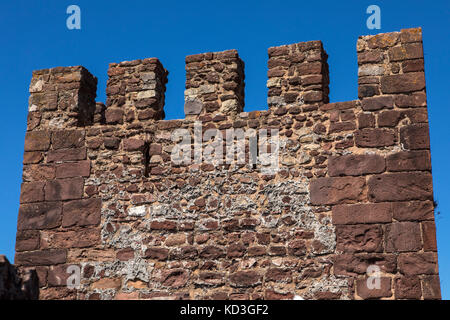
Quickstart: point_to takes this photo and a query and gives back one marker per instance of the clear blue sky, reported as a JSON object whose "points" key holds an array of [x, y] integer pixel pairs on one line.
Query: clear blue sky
{"points": [[33, 35]]}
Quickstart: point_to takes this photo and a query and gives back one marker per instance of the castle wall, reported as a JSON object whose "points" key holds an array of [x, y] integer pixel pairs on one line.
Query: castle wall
{"points": [[351, 186]]}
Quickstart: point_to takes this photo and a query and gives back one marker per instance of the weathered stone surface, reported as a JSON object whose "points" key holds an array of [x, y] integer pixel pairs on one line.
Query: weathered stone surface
{"points": [[366, 292], [44, 215], [374, 137], [32, 192], [409, 161], [403, 236], [431, 287], [336, 190], [84, 238], [175, 278], [359, 238], [64, 189], [157, 253], [377, 103], [245, 279], [408, 288], [66, 155], [401, 83], [355, 165], [67, 139], [133, 144], [413, 210], [357, 263], [37, 141], [362, 213], [415, 136], [73, 169], [27, 240], [400, 187], [429, 236], [81, 213], [41, 258], [413, 264]]}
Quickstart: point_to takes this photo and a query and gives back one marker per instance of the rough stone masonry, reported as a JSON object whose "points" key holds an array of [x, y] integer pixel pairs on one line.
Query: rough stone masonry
{"points": [[354, 186]]}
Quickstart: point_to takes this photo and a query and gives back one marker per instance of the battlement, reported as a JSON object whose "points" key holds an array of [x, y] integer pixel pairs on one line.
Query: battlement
{"points": [[299, 199]]}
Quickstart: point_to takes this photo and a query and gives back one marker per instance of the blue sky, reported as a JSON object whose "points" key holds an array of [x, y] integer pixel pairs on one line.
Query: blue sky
{"points": [[33, 35]]}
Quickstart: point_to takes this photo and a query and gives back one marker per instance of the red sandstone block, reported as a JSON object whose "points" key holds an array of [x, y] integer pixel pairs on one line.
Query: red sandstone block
{"points": [[411, 35], [406, 52], [355, 165], [236, 250], [297, 248], [383, 40], [58, 275], [32, 192], [43, 215], [414, 264], [418, 115], [40, 258], [32, 157], [163, 225], [359, 238], [403, 237], [375, 137], [66, 155], [409, 161], [362, 213], [413, 65], [212, 252], [400, 187], [337, 190], [415, 136], [279, 275], [68, 139], [368, 90], [125, 254], [114, 115], [174, 278], [416, 99], [369, 57], [85, 212], [389, 118], [377, 103], [342, 126], [83, 238], [133, 144], [38, 172], [156, 253], [408, 288], [37, 140], [73, 169], [429, 236], [64, 189], [401, 83], [357, 264], [413, 210], [431, 287], [366, 292], [366, 120], [27, 240], [245, 279], [339, 105]]}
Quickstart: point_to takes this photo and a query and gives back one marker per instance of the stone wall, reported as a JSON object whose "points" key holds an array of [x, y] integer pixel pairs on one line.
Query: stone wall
{"points": [[353, 187]]}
